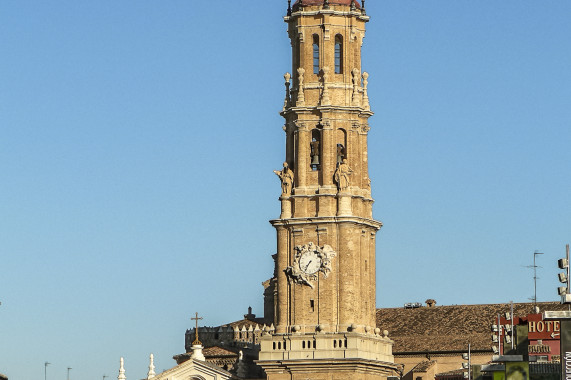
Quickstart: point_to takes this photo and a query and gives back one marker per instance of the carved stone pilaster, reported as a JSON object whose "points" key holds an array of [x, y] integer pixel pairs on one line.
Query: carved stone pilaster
{"points": [[325, 91], [326, 32], [353, 35], [300, 90], [366, 104], [300, 34]]}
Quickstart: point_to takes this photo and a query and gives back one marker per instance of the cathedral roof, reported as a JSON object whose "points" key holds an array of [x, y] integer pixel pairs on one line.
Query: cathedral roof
{"points": [[448, 328], [331, 2]]}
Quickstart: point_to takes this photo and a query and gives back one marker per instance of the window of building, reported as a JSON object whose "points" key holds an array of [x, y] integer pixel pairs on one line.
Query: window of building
{"points": [[315, 54], [338, 54]]}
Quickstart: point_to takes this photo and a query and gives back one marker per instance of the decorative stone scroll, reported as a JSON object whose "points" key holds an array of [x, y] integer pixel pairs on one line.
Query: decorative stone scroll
{"points": [[309, 260]]}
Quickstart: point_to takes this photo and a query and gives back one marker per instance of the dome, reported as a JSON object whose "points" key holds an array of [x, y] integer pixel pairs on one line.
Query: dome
{"points": [[331, 2]]}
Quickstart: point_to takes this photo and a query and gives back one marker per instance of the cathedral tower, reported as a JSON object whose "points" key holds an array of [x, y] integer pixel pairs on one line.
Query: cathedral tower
{"points": [[324, 304]]}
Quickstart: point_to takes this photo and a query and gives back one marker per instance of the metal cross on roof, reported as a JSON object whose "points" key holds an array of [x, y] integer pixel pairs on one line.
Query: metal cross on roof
{"points": [[196, 341]]}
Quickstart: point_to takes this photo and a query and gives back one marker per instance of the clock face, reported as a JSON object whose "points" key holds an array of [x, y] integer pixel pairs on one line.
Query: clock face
{"points": [[310, 262]]}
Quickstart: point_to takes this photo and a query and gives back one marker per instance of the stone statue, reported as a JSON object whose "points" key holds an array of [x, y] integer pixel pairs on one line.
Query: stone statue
{"points": [[342, 174], [286, 176]]}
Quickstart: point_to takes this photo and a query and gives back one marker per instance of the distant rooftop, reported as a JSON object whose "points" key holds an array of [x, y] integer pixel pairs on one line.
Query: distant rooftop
{"points": [[448, 328]]}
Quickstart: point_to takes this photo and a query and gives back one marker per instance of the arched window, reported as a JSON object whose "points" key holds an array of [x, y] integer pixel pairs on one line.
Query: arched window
{"points": [[338, 54], [315, 54]]}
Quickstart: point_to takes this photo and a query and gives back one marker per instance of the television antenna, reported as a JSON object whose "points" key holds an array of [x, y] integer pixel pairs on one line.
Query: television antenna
{"points": [[534, 266]]}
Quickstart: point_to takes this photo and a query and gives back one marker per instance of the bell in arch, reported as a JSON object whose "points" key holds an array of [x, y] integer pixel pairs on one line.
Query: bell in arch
{"points": [[315, 154]]}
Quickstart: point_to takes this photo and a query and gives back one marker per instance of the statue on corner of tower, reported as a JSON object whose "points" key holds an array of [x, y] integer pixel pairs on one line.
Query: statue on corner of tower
{"points": [[342, 174], [286, 176]]}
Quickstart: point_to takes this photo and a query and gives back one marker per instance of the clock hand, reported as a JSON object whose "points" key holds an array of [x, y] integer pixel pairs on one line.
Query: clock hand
{"points": [[308, 264]]}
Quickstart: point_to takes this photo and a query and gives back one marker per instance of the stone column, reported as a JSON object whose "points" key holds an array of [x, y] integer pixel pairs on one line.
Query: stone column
{"points": [[302, 154], [347, 296], [329, 151], [372, 283]]}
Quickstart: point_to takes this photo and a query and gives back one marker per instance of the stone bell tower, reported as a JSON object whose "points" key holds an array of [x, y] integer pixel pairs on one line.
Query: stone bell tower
{"points": [[325, 264]]}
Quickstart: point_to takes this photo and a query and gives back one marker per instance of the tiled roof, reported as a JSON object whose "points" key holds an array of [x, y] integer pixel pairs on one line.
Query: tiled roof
{"points": [[423, 366], [448, 328], [455, 373], [217, 351]]}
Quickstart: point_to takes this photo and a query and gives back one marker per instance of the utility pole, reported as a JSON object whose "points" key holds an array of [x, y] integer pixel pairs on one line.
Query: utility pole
{"points": [[68, 368]]}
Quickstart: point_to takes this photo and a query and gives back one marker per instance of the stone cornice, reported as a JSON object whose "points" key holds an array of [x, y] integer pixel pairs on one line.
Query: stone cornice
{"points": [[327, 220], [341, 364], [356, 14], [360, 111]]}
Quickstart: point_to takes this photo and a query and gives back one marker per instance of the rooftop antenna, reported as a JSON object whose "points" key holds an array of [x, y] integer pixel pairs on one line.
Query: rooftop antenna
{"points": [[534, 266]]}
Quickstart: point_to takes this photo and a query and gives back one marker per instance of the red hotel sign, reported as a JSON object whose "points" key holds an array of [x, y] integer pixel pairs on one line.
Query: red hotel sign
{"points": [[543, 329]]}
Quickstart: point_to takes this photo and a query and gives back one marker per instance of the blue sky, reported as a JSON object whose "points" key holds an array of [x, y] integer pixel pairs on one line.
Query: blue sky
{"points": [[138, 139]]}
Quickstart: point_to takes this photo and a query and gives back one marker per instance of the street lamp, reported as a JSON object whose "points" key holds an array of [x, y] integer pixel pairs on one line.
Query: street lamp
{"points": [[46, 364], [68, 368]]}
